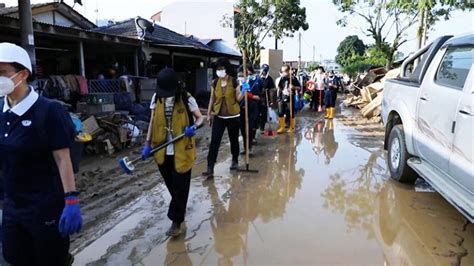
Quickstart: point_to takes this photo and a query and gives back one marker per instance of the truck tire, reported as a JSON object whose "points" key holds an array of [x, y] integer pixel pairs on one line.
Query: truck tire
{"points": [[398, 157]]}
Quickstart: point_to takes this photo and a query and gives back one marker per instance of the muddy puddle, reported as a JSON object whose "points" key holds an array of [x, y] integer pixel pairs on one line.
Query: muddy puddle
{"points": [[321, 197]]}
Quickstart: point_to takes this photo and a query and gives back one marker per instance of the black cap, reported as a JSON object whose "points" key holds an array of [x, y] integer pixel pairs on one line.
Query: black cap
{"points": [[265, 68], [167, 83]]}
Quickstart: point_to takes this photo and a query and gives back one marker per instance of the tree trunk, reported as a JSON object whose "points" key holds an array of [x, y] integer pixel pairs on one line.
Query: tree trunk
{"points": [[419, 33], [425, 27]]}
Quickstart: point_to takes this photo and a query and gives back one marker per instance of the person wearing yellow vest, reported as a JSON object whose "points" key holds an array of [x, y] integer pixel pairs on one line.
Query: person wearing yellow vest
{"points": [[224, 112], [174, 112]]}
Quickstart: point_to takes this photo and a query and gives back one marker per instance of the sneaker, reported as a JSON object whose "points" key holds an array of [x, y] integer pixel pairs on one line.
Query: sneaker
{"points": [[234, 165], [174, 230]]}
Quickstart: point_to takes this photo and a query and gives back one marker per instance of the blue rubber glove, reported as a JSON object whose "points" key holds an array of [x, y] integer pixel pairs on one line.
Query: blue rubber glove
{"points": [[244, 87], [146, 153], [190, 131], [71, 219]]}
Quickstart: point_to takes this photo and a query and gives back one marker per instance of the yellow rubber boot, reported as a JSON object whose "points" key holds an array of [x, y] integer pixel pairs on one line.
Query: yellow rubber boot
{"points": [[292, 125], [281, 122], [328, 113], [331, 112], [331, 125]]}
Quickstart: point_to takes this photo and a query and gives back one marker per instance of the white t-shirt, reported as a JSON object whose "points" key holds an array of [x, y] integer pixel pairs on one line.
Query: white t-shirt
{"points": [[169, 104]]}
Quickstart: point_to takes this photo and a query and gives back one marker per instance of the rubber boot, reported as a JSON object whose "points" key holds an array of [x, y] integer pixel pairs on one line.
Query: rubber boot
{"points": [[281, 122], [292, 125], [174, 230], [328, 113], [210, 172], [331, 124], [331, 112]]}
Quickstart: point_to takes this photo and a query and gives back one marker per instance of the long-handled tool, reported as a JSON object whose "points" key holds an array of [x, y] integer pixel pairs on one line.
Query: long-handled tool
{"points": [[247, 137], [128, 165], [291, 98]]}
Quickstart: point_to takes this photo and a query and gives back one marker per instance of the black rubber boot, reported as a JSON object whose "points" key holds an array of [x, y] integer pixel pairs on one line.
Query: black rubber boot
{"points": [[174, 230], [210, 171], [234, 165]]}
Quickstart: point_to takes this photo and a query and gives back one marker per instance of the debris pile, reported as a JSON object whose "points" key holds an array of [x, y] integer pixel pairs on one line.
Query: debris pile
{"points": [[367, 90]]}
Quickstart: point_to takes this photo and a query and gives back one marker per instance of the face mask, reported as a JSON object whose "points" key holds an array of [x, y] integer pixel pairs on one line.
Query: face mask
{"points": [[252, 77], [241, 80], [7, 86], [283, 74], [221, 73]]}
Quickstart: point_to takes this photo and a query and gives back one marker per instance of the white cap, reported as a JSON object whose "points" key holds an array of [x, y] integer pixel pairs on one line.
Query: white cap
{"points": [[12, 53]]}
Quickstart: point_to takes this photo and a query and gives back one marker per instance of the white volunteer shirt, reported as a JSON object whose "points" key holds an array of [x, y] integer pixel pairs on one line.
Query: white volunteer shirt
{"points": [[169, 104]]}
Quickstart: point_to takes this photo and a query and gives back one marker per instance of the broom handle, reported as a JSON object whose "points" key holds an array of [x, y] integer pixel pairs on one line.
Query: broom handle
{"points": [[247, 129], [291, 94]]}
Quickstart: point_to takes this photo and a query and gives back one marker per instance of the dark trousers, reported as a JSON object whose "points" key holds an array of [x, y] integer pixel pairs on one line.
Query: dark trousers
{"points": [[178, 186], [218, 127], [262, 116], [329, 99], [284, 108], [34, 240], [253, 115]]}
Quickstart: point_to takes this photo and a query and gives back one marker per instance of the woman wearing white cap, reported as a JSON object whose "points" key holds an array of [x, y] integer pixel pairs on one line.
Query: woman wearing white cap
{"points": [[41, 206]]}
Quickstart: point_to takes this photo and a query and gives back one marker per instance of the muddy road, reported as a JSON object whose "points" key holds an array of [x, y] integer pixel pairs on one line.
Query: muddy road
{"points": [[322, 197]]}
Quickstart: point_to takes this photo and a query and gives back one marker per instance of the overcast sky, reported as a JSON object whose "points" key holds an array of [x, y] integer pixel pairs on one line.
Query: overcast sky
{"points": [[322, 15]]}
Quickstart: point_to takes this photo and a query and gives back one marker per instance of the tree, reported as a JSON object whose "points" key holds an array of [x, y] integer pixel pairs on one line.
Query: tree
{"points": [[384, 18], [257, 19], [350, 46], [372, 58], [431, 11]]}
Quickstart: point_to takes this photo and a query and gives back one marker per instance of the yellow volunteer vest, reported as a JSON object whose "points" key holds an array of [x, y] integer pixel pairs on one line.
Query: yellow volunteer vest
{"points": [[184, 149], [229, 98]]}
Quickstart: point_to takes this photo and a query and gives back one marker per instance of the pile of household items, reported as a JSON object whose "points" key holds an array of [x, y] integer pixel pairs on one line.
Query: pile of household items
{"points": [[366, 92], [107, 115]]}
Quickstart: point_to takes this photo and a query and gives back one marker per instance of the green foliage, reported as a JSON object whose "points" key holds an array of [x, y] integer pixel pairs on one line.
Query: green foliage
{"points": [[312, 67], [372, 58], [258, 19], [351, 45], [386, 18]]}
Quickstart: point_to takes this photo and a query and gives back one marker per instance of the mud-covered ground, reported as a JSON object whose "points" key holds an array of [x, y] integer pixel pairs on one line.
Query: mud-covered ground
{"points": [[322, 196]]}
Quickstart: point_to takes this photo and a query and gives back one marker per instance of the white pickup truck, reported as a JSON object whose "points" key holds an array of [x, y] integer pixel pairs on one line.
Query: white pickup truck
{"points": [[428, 113]]}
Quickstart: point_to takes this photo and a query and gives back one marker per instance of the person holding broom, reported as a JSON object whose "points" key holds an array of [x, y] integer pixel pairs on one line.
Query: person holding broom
{"points": [[287, 86], [252, 84], [174, 112], [224, 113]]}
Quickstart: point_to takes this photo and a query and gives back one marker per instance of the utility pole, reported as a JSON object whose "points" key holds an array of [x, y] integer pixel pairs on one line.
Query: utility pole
{"points": [[276, 43], [27, 35], [299, 56], [314, 54]]}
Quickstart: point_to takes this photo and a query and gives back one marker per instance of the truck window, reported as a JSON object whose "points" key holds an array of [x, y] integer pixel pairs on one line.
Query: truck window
{"points": [[455, 67]]}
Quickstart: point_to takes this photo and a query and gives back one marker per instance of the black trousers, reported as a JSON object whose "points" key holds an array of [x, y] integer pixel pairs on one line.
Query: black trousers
{"points": [[178, 186], [262, 116], [284, 108], [253, 116], [318, 99], [218, 127], [34, 240]]}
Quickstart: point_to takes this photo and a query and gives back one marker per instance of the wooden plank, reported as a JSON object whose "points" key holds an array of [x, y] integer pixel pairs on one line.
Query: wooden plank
{"points": [[365, 93], [367, 110]]}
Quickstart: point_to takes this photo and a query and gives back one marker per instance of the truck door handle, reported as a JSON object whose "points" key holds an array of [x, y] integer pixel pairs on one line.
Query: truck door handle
{"points": [[423, 98], [464, 112]]}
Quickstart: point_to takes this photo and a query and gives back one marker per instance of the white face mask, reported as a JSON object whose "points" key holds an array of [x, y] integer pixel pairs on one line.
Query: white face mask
{"points": [[221, 73], [7, 86], [241, 80]]}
